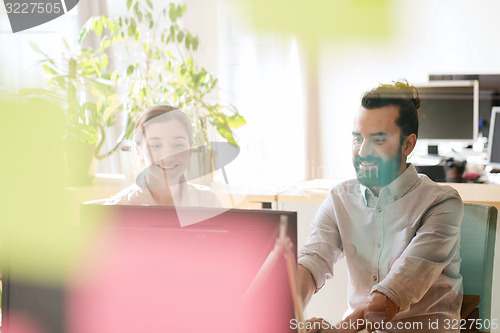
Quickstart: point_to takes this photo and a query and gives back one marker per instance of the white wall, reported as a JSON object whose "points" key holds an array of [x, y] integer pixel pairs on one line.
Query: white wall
{"points": [[426, 36], [261, 75]]}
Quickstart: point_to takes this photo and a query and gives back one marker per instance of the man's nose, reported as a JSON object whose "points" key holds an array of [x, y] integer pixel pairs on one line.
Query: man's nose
{"points": [[365, 149]]}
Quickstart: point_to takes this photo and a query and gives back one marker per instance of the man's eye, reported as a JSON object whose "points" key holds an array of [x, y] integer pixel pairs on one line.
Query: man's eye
{"points": [[357, 139], [379, 141], [180, 145], [155, 146]]}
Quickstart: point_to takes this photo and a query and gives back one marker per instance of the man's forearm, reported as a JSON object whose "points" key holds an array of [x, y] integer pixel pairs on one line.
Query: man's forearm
{"points": [[307, 285]]}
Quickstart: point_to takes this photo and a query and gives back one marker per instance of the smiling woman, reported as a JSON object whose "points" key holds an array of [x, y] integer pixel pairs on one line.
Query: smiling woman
{"points": [[163, 137]]}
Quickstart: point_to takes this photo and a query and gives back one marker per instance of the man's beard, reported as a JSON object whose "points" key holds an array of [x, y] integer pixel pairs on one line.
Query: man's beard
{"points": [[382, 172]]}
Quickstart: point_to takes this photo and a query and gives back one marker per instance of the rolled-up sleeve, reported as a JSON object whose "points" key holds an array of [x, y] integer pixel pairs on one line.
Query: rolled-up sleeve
{"points": [[435, 245], [323, 247]]}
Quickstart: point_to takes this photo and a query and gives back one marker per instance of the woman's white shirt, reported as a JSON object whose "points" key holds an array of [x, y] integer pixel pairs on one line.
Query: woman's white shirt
{"points": [[193, 195]]}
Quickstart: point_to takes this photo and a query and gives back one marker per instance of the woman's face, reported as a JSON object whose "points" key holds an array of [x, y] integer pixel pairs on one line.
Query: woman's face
{"points": [[166, 149]]}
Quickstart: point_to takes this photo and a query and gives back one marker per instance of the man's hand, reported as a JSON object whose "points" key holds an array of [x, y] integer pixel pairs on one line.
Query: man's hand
{"points": [[378, 308], [354, 322]]}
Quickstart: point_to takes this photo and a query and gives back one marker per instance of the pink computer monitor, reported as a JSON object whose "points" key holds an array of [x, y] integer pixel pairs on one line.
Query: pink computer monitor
{"points": [[143, 272]]}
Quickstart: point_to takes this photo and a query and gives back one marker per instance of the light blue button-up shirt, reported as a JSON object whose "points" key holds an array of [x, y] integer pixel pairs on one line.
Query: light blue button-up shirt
{"points": [[404, 243]]}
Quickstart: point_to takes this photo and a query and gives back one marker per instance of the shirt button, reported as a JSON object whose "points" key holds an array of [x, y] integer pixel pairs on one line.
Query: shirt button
{"points": [[379, 210], [374, 277], [395, 198], [379, 244]]}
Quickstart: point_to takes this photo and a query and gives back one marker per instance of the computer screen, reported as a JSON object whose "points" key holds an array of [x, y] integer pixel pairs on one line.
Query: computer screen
{"points": [[489, 94], [143, 272], [494, 138], [449, 111]]}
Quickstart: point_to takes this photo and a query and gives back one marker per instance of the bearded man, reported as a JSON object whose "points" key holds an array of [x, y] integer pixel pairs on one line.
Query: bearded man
{"points": [[398, 231]]}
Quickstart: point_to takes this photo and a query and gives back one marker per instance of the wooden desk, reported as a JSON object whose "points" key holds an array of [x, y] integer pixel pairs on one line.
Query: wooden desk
{"points": [[478, 193], [234, 196], [317, 190]]}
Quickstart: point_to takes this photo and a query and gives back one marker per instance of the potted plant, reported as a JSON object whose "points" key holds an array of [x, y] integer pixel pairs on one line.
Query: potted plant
{"points": [[157, 66]]}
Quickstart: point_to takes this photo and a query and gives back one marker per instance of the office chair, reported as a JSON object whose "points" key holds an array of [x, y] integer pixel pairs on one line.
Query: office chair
{"points": [[477, 247]]}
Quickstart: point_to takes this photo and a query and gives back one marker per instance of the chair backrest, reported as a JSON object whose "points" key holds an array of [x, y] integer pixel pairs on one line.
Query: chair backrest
{"points": [[477, 248]]}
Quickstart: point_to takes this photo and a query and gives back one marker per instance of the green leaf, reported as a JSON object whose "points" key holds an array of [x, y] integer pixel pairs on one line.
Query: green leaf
{"points": [[66, 43], [172, 33], [104, 61], [132, 27], [35, 47], [113, 27], [180, 36], [130, 69], [97, 68], [84, 133], [59, 80], [105, 43], [99, 103], [150, 4], [195, 43], [236, 121], [107, 113], [172, 13], [189, 40], [129, 4], [49, 70], [105, 21], [110, 120], [89, 106], [181, 9], [83, 34], [226, 133], [98, 27]]}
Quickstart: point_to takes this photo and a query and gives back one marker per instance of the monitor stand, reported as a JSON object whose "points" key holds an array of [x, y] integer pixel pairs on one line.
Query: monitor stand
{"points": [[431, 165]]}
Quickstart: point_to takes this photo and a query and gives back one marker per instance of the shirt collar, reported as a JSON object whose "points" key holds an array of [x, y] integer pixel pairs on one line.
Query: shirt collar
{"points": [[399, 186]]}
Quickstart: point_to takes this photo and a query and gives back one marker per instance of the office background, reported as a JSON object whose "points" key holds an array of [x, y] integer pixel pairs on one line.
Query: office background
{"points": [[299, 98]]}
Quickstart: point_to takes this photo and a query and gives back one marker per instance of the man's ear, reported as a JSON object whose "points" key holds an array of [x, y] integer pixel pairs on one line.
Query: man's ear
{"points": [[408, 144]]}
